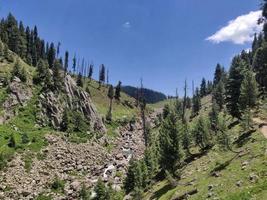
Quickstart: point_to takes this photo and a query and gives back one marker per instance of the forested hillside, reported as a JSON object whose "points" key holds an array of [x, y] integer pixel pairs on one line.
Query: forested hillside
{"points": [[211, 146], [150, 96]]}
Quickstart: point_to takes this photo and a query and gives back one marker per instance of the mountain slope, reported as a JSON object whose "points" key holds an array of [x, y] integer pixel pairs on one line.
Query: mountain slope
{"points": [[34, 151], [219, 174]]}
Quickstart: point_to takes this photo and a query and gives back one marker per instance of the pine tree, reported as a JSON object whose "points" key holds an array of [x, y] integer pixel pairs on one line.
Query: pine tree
{"points": [[12, 33], [264, 14], [218, 94], [170, 150], [22, 45], [91, 69], [43, 75], [218, 74], [203, 88], [150, 157], [57, 77], [58, 49], [248, 92], [34, 56], [101, 191], [201, 133], [107, 77], [48, 82], [66, 62], [246, 122], [79, 81], [213, 116], [223, 138], [110, 96], [186, 138], [101, 75], [131, 180], [209, 87], [184, 102], [118, 91], [74, 62], [196, 103], [166, 111], [233, 86], [260, 67], [51, 55], [84, 193], [144, 172], [19, 72], [65, 121]]}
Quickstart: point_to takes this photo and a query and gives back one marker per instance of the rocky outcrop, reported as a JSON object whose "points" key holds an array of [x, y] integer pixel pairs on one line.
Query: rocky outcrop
{"points": [[52, 105], [19, 95]]}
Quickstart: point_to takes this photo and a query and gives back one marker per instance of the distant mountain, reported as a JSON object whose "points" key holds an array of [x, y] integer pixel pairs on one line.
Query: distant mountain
{"points": [[151, 96]]}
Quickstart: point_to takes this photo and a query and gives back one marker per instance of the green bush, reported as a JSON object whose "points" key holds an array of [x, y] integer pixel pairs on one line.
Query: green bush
{"points": [[12, 142], [84, 193], [25, 139], [58, 185]]}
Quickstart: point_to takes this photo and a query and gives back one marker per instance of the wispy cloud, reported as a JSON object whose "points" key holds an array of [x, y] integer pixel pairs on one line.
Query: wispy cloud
{"points": [[127, 25], [239, 30]]}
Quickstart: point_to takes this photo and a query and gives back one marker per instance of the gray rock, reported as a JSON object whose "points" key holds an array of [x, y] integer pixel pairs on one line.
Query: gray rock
{"points": [[239, 183], [75, 185]]}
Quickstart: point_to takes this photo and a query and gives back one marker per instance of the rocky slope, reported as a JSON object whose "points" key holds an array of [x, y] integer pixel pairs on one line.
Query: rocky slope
{"points": [[27, 109], [52, 105], [75, 164]]}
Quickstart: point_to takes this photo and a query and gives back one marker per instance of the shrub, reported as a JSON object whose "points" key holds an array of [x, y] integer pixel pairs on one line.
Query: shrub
{"points": [[25, 139], [84, 193], [12, 142], [58, 185]]}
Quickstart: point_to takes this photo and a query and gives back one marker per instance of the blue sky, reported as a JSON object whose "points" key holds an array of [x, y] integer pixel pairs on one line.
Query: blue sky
{"points": [[162, 41]]}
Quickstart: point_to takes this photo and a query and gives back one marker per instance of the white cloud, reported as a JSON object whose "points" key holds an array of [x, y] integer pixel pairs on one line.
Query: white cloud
{"points": [[239, 30], [127, 25]]}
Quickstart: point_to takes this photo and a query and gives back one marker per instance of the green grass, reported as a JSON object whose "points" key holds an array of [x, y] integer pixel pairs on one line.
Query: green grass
{"points": [[161, 104], [43, 197], [99, 97], [23, 123]]}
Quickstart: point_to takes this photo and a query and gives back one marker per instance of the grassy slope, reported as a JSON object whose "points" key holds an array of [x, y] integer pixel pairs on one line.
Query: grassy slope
{"points": [[224, 186], [101, 101], [161, 103]]}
